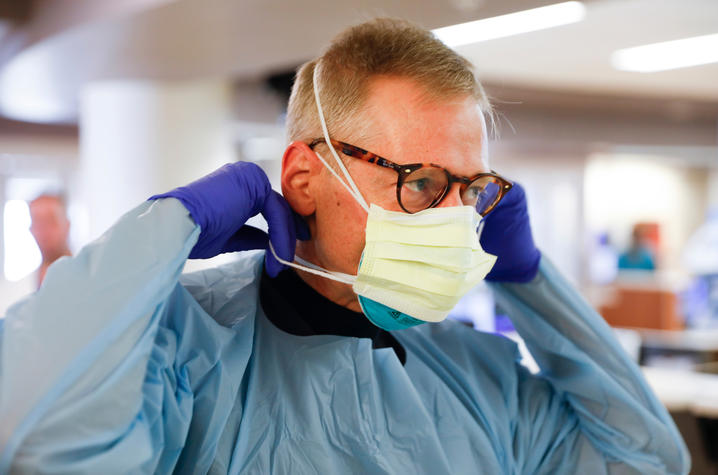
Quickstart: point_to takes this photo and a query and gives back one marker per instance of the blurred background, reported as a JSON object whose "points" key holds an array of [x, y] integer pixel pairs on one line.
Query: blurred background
{"points": [[607, 112]]}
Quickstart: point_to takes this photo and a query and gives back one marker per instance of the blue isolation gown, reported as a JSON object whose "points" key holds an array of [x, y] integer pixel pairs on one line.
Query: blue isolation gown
{"points": [[119, 365]]}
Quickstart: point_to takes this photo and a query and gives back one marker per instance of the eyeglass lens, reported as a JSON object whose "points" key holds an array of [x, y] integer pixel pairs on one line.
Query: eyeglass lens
{"points": [[424, 186]]}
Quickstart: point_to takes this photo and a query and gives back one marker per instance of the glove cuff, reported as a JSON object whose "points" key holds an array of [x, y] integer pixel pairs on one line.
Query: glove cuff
{"points": [[518, 275], [187, 199]]}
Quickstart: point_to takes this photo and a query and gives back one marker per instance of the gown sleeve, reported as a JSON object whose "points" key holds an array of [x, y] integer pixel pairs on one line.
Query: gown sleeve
{"points": [[589, 409], [74, 356]]}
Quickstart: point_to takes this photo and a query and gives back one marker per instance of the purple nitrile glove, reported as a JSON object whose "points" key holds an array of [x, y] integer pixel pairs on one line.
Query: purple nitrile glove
{"points": [[221, 202], [507, 235]]}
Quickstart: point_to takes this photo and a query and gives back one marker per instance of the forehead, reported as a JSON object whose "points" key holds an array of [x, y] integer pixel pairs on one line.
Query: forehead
{"points": [[405, 124]]}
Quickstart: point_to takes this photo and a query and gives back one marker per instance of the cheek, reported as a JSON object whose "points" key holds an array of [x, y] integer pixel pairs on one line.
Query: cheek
{"points": [[341, 224]]}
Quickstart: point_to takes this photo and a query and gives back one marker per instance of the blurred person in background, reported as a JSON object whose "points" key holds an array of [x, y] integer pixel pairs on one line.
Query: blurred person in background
{"points": [[51, 229], [345, 362], [639, 255]]}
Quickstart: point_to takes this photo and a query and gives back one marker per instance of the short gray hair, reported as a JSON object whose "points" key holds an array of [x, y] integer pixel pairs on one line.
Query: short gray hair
{"points": [[380, 47]]}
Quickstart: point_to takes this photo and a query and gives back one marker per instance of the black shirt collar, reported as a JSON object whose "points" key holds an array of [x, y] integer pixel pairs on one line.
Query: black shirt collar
{"points": [[296, 308]]}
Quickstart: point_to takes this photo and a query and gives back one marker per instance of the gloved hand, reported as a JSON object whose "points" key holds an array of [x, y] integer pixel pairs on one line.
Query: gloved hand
{"points": [[221, 202], [507, 235]]}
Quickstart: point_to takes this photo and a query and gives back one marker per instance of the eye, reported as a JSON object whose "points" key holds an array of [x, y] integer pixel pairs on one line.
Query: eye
{"points": [[474, 192], [417, 185]]}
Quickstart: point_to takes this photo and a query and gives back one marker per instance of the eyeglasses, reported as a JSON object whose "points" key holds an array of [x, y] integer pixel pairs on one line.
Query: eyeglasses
{"points": [[424, 185]]}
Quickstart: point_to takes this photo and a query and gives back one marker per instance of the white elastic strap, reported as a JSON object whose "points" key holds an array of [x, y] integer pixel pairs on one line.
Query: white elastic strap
{"points": [[338, 276], [351, 192], [354, 190], [347, 277]]}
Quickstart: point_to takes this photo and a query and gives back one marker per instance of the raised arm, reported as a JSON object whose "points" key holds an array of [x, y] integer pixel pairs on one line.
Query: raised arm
{"points": [[594, 393], [589, 410], [74, 356], [89, 331]]}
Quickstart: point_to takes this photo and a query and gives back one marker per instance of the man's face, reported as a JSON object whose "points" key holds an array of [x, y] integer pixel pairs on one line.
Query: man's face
{"points": [[50, 226], [401, 125]]}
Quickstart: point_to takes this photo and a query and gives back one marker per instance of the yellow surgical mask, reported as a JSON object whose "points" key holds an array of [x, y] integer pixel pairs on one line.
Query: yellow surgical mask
{"points": [[416, 267]]}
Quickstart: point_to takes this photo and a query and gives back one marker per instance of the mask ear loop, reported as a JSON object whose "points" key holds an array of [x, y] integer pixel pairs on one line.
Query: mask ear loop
{"points": [[307, 266], [354, 191], [361, 202]]}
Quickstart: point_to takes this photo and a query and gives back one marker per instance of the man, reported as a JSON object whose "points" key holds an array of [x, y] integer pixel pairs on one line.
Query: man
{"points": [[50, 228], [639, 255], [249, 368]]}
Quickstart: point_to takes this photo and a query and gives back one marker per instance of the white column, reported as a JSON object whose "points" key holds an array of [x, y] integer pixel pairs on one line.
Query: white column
{"points": [[139, 138]]}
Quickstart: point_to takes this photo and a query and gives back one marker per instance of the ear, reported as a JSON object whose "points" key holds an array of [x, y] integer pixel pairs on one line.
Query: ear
{"points": [[299, 170]]}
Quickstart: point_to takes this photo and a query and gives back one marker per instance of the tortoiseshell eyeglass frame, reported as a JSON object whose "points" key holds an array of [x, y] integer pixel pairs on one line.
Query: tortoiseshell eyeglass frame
{"points": [[406, 169]]}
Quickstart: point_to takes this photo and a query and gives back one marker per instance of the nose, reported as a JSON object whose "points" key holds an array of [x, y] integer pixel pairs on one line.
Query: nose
{"points": [[452, 197]]}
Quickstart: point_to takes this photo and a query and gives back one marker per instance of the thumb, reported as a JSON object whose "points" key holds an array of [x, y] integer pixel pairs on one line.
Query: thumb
{"points": [[282, 232]]}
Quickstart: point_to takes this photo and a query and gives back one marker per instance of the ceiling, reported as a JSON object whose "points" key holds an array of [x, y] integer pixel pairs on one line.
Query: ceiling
{"points": [[576, 57], [233, 39]]}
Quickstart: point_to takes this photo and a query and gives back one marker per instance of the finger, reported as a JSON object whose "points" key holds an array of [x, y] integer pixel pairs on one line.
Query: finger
{"points": [[245, 239], [301, 227], [282, 234], [515, 196]]}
